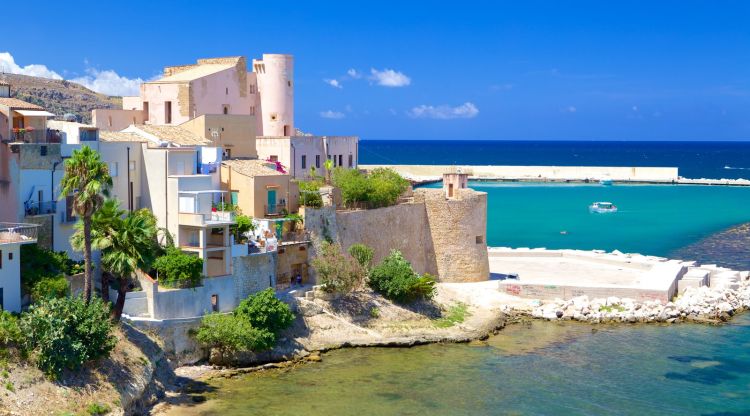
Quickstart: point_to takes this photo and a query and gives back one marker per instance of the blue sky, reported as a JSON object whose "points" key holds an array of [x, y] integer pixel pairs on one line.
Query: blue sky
{"points": [[549, 70]]}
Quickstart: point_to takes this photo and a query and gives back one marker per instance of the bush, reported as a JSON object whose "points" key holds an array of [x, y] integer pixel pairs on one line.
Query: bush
{"points": [[38, 264], [395, 279], [264, 310], [50, 287], [229, 333], [379, 188], [336, 271], [309, 193], [10, 332], [66, 333], [177, 269], [362, 254], [244, 224]]}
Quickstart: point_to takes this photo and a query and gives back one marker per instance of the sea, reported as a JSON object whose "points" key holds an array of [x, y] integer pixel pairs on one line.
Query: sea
{"points": [[709, 159], [544, 368]]}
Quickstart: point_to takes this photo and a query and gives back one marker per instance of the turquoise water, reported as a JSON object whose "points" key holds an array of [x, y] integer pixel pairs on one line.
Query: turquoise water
{"points": [[651, 219], [542, 369]]}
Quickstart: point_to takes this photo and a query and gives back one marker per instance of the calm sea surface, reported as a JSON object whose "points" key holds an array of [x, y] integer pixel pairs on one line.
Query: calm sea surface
{"points": [[546, 368], [694, 159]]}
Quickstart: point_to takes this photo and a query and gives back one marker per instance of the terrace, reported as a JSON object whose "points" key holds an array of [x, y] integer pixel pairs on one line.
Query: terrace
{"points": [[12, 233]]}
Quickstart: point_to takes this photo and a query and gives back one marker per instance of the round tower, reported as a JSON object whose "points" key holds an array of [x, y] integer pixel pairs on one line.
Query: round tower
{"points": [[275, 74]]}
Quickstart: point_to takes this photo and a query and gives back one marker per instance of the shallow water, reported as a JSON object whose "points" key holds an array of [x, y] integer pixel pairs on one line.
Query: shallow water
{"points": [[543, 368], [651, 219]]}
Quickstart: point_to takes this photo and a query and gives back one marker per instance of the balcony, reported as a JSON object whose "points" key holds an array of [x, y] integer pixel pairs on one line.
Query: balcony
{"points": [[17, 233], [30, 135], [204, 220], [40, 208], [275, 210]]}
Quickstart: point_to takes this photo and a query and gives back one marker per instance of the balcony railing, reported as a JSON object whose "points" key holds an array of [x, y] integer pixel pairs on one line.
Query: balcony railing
{"points": [[201, 219], [17, 233], [274, 210], [36, 136], [40, 208]]}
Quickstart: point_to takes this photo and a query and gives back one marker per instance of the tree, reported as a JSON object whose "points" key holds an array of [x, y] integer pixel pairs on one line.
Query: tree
{"points": [[87, 180], [328, 164], [264, 310], [363, 254], [395, 279], [230, 333], [127, 241]]}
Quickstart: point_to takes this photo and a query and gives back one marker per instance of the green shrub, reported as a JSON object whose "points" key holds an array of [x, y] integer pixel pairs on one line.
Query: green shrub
{"points": [[177, 269], [38, 263], [97, 409], [309, 193], [65, 333], [264, 310], [243, 224], [10, 333], [379, 188], [50, 287], [229, 333], [362, 254], [395, 279], [336, 271]]}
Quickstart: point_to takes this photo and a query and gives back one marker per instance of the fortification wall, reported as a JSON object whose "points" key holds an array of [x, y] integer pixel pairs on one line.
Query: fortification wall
{"points": [[443, 237], [458, 227]]}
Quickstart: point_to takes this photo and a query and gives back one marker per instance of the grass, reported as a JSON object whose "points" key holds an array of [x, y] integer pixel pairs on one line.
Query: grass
{"points": [[611, 308], [455, 315], [374, 312], [9, 386]]}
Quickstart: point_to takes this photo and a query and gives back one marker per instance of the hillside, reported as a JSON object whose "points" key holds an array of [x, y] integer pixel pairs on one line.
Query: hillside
{"points": [[59, 96]]}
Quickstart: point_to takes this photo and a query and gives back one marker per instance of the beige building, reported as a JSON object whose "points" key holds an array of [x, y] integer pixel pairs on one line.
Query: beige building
{"points": [[258, 188], [232, 133]]}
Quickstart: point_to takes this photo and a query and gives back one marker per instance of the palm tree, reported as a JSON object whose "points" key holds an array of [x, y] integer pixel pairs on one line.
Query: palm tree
{"points": [[87, 180], [328, 164], [128, 243]]}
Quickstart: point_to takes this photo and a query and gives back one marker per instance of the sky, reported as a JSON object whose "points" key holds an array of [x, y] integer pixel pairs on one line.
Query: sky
{"points": [[515, 70]]}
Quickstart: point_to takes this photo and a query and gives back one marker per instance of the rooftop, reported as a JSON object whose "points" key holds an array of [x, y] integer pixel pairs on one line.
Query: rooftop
{"points": [[197, 71], [252, 167], [15, 103], [119, 136], [173, 134]]}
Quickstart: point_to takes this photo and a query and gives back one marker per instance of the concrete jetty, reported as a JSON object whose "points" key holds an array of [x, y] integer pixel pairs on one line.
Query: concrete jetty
{"points": [[419, 174]]}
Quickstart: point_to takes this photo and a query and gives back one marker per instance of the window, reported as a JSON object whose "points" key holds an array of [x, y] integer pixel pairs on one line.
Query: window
{"points": [[227, 91], [225, 108], [145, 111], [113, 169], [252, 88], [215, 303], [109, 121], [341, 160], [274, 116], [167, 112], [289, 83], [10, 256], [317, 161], [304, 161], [252, 110], [132, 165], [351, 161]]}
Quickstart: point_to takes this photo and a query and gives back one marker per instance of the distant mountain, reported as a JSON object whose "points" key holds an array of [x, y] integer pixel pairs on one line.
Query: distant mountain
{"points": [[59, 96]]}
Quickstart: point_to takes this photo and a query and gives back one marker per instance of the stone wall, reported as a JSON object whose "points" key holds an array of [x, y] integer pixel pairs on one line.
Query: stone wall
{"points": [[44, 231], [443, 237], [253, 273], [292, 259]]}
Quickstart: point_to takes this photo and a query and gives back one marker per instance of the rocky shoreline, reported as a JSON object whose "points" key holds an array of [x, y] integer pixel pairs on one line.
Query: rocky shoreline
{"points": [[696, 304]]}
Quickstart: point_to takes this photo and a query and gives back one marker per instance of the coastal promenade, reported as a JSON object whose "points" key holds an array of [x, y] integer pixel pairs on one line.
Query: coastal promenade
{"points": [[420, 174]]}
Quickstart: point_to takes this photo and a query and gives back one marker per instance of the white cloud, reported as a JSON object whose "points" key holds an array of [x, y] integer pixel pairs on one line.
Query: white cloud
{"points": [[334, 115], [571, 109], [333, 82], [389, 78], [444, 112], [353, 73], [8, 64], [109, 82]]}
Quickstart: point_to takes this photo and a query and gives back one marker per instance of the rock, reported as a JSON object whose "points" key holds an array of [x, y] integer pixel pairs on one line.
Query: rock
{"points": [[559, 314], [314, 357]]}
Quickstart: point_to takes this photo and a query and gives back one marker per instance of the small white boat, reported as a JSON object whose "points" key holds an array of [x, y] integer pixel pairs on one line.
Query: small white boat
{"points": [[606, 181], [602, 207]]}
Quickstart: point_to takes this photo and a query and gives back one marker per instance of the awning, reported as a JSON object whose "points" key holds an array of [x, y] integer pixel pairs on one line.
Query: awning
{"points": [[34, 113]]}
